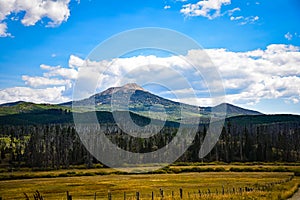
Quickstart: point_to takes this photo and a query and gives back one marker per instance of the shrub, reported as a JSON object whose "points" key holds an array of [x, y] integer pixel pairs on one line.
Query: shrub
{"points": [[220, 169]]}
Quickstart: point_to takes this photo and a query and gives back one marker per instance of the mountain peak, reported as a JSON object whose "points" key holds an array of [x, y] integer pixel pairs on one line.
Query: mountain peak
{"points": [[125, 88], [132, 86]]}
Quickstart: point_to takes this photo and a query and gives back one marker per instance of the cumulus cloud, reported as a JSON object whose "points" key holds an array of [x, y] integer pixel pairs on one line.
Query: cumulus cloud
{"points": [[3, 30], [75, 62], [248, 77], [57, 11], [139, 69], [259, 74], [43, 81], [58, 71], [45, 95], [205, 8], [53, 87], [167, 7]]}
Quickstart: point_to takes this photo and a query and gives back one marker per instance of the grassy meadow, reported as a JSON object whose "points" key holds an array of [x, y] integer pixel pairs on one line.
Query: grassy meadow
{"points": [[209, 182]]}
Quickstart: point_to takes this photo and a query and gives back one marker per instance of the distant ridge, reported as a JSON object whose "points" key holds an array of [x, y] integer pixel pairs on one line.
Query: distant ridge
{"points": [[12, 103], [233, 110], [28, 107], [141, 102]]}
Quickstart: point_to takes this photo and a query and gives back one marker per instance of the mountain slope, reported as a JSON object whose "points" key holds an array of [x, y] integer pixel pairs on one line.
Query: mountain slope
{"points": [[131, 91], [232, 110], [57, 116], [140, 101], [133, 97], [27, 107]]}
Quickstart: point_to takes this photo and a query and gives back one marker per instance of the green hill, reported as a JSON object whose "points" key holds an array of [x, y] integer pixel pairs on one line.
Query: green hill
{"points": [[28, 107]]}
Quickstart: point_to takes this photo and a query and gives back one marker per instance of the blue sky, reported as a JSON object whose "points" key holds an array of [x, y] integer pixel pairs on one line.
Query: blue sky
{"points": [[37, 44]]}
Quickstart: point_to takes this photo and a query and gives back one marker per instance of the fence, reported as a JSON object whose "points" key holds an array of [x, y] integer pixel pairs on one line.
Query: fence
{"points": [[196, 194], [178, 194]]}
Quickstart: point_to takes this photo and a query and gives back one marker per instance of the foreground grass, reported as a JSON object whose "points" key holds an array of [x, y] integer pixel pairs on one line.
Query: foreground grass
{"points": [[266, 185]]}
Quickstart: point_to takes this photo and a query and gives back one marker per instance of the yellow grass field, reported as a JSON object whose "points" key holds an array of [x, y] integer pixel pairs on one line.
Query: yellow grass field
{"points": [[204, 185]]}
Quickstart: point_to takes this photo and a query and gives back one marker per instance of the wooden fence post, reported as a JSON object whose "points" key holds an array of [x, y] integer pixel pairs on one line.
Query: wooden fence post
{"points": [[137, 196], [37, 195], [109, 195], [180, 191], [223, 189], [124, 195], [152, 195], [95, 196], [26, 196], [69, 197], [161, 193]]}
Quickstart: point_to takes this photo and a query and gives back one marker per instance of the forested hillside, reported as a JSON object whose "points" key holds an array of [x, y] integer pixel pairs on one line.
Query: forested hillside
{"points": [[244, 138]]}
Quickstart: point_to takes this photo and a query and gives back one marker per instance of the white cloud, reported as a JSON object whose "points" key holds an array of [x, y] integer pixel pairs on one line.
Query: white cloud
{"points": [[43, 81], [46, 95], [248, 77], [205, 8], [58, 71], [245, 20], [230, 12], [167, 7], [288, 36], [57, 11], [259, 74], [3, 30], [211, 9], [232, 18], [249, 20], [49, 88], [75, 61]]}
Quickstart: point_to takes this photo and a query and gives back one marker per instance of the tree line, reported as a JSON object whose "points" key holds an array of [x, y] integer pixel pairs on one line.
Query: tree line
{"points": [[55, 146]]}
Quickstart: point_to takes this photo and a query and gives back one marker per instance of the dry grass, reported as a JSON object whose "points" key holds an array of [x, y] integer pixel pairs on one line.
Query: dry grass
{"points": [[84, 187], [289, 191]]}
